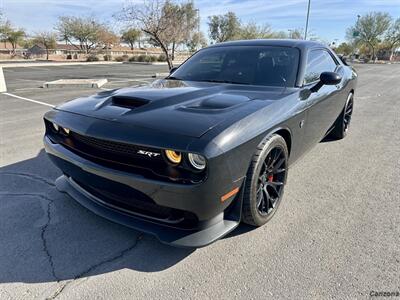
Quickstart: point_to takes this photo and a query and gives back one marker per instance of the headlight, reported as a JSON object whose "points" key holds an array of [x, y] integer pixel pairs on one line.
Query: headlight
{"points": [[197, 161], [66, 130], [173, 156], [55, 126]]}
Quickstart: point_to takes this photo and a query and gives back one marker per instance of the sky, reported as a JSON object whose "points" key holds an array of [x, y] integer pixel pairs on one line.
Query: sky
{"points": [[329, 19]]}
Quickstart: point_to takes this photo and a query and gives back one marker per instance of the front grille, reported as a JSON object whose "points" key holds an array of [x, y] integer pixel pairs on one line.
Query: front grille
{"points": [[144, 161], [111, 146]]}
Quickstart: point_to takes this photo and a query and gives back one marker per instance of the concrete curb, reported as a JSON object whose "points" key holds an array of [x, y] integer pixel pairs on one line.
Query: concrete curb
{"points": [[159, 63], [154, 63], [160, 75], [3, 86], [50, 64], [76, 83]]}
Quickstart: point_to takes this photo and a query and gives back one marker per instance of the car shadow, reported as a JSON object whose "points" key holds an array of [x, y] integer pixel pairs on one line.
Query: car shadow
{"points": [[241, 229], [328, 139], [46, 236]]}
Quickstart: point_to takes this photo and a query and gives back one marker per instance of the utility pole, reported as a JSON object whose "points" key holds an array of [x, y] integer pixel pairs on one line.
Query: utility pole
{"points": [[308, 16]]}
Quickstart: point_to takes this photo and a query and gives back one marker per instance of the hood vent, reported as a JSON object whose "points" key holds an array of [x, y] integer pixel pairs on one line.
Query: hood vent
{"points": [[128, 101]]}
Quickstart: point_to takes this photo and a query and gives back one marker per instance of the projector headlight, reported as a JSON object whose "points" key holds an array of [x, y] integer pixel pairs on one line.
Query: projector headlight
{"points": [[197, 161], [66, 130], [174, 157]]}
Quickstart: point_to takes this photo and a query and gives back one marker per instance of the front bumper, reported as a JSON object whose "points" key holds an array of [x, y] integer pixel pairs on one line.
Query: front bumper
{"points": [[214, 218]]}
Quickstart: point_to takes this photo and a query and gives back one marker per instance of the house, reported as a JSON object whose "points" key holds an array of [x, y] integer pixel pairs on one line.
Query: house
{"points": [[39, 50], [68, 51]]}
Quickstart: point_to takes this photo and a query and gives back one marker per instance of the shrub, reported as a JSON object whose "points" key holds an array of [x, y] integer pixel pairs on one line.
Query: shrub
{"points": [[92, 57], [69, 56], [125, 57], [141, 58], [107, 57], [162, 57], [133, 58], [119, 58], [153, 58]]}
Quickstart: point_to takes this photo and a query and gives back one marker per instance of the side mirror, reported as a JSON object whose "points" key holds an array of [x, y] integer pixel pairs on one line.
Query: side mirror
{"points": [[330, 78], [172, 70], [326, 78]]}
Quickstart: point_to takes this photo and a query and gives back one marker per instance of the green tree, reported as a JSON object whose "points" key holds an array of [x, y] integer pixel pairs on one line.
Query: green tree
{"points": [[296, 34], [10, 34], [369, 30], [224, 27], [131, 36], [28, 43], [47, 39], [183, 23], [253, 31], [84, 30], [165, 23], [344, 49], [5, 27], [393, 37], [14, 37], [196, 42]]}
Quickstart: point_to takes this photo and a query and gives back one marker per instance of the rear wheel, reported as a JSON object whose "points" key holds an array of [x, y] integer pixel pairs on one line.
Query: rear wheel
{"points": [[265, 181], [342, 123]]}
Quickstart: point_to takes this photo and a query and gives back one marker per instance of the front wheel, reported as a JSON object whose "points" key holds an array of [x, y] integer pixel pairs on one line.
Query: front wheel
{"points": [[342, 123], [265, 181]]}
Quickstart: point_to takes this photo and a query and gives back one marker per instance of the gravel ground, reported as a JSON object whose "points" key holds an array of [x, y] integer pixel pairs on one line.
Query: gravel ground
{"points": [[336, 234]]}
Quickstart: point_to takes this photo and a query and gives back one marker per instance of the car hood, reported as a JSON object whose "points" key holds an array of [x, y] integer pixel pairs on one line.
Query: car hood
{"points": [[172, 106]]}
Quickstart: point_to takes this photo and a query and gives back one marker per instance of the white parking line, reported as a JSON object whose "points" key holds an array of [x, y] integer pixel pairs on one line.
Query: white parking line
{"points": [[27, 99], [29, 80], [129, 80], [136, 75]]}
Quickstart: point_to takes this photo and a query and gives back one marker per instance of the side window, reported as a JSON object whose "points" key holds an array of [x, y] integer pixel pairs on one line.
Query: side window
{"points": [[318, 61]]}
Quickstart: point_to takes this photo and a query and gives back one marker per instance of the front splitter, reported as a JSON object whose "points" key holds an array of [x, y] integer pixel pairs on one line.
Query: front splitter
{"points": [[167, 235]]}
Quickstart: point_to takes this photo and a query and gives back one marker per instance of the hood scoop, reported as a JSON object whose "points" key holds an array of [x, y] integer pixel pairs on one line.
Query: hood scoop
{"points": [[218, 102], [128, 101]]}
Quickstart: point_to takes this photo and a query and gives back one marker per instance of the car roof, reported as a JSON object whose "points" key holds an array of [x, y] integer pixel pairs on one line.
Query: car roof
{"points": [[301, 44]]}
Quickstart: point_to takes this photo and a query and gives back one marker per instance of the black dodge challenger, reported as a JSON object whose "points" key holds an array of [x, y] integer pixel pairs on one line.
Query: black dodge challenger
{"points": [[188, 157]]}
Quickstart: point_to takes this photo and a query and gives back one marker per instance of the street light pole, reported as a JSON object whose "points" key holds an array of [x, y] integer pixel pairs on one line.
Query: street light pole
{"points": [[308, 16], [198, 19]]}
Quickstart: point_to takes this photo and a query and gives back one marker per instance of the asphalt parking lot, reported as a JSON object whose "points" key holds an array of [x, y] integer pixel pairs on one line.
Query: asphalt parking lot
{"points": [[336, 234]]}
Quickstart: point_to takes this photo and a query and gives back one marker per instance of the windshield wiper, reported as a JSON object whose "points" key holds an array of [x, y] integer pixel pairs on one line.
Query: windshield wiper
{"points": [[224, 81]]}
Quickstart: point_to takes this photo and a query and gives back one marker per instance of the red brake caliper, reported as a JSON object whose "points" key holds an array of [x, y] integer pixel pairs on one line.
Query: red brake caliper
{"points": [[270, 178]]}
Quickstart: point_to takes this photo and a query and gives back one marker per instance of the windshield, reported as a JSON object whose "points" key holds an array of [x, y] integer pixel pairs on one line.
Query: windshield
{"points": [[253, 65]]}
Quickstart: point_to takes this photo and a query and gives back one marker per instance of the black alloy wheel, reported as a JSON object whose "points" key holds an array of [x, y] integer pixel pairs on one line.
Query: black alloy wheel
{"points": [[342, 123], [348, 113], [265, 181], [271, 180]]}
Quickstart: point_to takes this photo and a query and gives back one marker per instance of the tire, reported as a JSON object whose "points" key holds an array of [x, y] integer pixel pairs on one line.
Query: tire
{"points": [[271, 154], [342, 123]]}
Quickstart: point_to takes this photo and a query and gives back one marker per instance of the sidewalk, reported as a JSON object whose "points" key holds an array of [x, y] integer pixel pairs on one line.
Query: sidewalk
{"points": [[43, 64], [21, 64]]}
